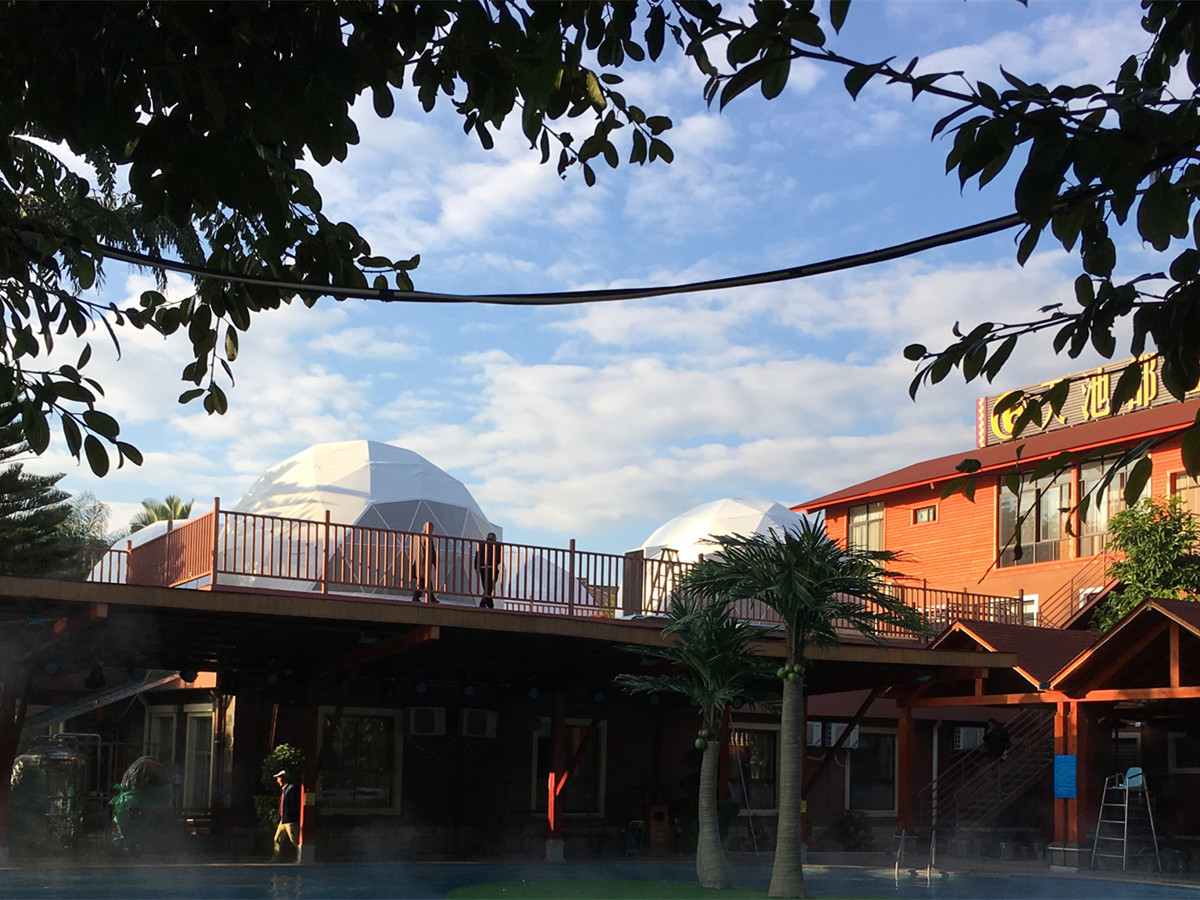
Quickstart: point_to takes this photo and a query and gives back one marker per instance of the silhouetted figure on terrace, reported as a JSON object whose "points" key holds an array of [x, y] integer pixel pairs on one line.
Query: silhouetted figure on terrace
{"points": [[487, 564], [424, 566]]}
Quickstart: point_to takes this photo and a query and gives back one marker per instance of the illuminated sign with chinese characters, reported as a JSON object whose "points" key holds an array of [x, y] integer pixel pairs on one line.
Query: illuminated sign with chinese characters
{"points": [[1089, 398]]}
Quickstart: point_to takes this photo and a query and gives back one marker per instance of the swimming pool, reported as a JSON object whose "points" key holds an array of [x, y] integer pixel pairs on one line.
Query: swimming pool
{"points": [[423, 881]]}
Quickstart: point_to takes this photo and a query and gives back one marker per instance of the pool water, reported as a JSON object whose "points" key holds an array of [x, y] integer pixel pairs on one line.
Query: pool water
{"points": [[419, 882]]}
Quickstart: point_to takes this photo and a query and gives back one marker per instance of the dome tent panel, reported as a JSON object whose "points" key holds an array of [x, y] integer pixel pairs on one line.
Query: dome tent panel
{"points": [[688, 537], [372, 485]]}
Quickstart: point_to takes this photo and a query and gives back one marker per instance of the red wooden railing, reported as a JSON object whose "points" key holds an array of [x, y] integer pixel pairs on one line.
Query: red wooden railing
{"points": [[245, 551]]}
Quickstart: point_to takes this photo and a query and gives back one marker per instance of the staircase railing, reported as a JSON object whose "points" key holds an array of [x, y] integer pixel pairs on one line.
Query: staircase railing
{"points": [[974, 789], [1059, 606]]}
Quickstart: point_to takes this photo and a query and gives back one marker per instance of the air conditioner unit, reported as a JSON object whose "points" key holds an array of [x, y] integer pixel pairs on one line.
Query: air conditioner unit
{"points": [[477, 723], [834, 732], [814, 734], [967, 737], [426, 721]]}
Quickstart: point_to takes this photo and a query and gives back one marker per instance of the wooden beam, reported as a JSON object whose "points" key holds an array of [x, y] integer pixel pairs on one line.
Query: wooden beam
{"points": [[391, 646], [67, 626], [1174, 655], [1159, 693], [1123, 659], [989, 700]]}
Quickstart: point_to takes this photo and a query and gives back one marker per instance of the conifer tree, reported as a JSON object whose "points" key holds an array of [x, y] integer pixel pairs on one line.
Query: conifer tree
{"points": [[31, 511]]}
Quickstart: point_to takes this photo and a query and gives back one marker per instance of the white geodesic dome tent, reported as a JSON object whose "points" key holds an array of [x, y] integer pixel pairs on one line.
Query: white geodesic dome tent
{"points": [[687, 537], [368, 484]]}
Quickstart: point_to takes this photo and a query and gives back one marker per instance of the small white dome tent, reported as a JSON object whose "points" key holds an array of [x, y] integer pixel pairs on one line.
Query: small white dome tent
{"points": [[368, 484], [687, 537], [688, 534]]}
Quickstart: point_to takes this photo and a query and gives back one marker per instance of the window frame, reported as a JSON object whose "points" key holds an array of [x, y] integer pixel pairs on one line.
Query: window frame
{"points": [[931, 508], [863, 731], [1093, 535], [774, 729], [199, 756], [397, 716], [1038, 549], [1173, 766], [537, 787], [872, 523]]}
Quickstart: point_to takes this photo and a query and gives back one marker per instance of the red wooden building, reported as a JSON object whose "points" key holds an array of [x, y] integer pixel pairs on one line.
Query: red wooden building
{"points": [[1014, 533]]}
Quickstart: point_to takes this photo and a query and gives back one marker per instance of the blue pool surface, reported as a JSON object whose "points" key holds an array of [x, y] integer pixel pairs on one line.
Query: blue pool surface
{"points": [[422, 881]]}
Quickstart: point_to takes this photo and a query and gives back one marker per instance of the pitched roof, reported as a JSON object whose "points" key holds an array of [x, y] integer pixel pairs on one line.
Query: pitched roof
{"points": [[1041, 652], [1135, 637], [1080, 438]]}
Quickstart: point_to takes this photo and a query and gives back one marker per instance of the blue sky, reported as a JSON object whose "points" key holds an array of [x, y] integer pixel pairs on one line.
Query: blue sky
{"points": [[601, 422]]}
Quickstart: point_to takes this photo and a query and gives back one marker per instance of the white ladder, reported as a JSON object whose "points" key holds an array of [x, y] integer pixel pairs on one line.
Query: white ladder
{"points": [[1121, 793]]}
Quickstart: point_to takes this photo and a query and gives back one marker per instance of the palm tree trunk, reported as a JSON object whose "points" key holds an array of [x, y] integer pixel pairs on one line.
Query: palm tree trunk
{"points": [[787, 873], [712, 866]]}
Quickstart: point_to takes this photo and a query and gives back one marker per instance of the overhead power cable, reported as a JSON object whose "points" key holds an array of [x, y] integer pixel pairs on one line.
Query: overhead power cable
{"points": [[561, 298]]}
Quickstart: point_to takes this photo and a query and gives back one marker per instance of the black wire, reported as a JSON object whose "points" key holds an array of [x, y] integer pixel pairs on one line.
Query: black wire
{"points": [[388, 295]]}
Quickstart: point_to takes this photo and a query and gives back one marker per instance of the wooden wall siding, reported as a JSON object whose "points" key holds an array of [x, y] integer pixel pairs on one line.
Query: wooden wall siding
{"points": [[958, 551]]}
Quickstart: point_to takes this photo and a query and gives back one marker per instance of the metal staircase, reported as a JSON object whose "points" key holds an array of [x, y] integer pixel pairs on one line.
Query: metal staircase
{"points": [[1126, 816], [974, 790]]}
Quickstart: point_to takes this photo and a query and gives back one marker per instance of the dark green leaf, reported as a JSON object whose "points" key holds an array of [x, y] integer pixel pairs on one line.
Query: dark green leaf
{"points": [[97, 456], [101, 423], [1136, 482], [837, 13]]}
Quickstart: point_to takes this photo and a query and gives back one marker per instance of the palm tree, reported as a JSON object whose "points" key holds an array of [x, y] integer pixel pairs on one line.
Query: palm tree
{"points": [[169, 509], [716, 663], [819, 589]]}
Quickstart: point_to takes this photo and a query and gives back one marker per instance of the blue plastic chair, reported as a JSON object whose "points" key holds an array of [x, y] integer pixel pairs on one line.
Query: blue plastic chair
{"points": [[1133, 778]]}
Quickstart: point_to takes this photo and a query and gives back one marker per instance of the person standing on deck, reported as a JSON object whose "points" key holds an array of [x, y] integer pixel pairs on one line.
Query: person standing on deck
{"points": [[487, 564], [424, 566]]}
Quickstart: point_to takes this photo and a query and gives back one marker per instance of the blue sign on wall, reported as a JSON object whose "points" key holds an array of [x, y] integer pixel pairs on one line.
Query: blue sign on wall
{"points": [[1064, 776]]}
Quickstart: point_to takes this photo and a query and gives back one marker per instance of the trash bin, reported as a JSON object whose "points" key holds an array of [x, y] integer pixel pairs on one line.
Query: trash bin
{"points": [[658, 826]]}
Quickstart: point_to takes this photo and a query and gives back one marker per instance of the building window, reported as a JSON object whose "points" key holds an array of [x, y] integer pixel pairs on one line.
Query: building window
{"points": [[866, 526], [198, 757], [1188, 490], [587, 757], [361, 767], [1029, 609], [1093, 527], [754, 768], [1043, 509], [160, 734], [1183, 753], [871, 784], [924, 514]]}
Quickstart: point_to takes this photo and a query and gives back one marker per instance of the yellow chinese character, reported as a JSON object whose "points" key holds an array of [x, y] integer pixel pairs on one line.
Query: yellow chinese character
{"points": [[1096, 395]]}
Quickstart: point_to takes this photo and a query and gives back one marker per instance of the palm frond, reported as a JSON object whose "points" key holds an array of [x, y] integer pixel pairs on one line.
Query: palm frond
{"points": [[818, 587], [711, 655]]}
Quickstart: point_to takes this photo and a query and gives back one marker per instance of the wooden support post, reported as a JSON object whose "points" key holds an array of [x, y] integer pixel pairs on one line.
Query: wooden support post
{"points": [[1072, 736], [571, 578], [326, 556], [1174, 655], [558, 776], [310, 769], [12, 716], [633, 574], [216, 539], [905, 801], [1060, 747]]}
